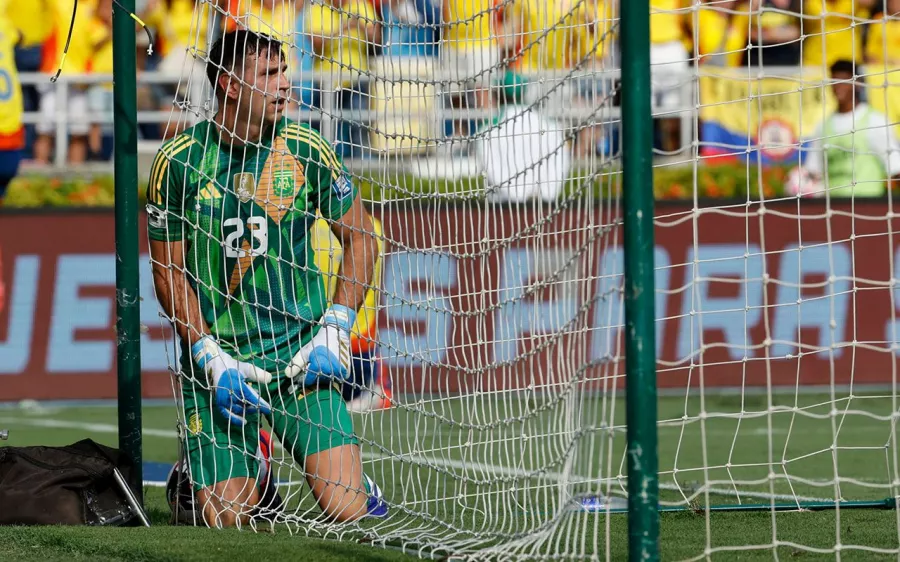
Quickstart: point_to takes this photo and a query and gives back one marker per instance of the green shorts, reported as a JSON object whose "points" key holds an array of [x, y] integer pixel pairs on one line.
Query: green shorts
{"points": [[305, 420]]}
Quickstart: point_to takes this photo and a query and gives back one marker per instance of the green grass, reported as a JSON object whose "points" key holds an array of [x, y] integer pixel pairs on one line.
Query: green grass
{"points": [[458, 461]]}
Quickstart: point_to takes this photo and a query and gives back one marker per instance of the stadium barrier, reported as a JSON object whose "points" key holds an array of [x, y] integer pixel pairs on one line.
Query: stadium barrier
{"points": [[738, 112], [57, 337]]}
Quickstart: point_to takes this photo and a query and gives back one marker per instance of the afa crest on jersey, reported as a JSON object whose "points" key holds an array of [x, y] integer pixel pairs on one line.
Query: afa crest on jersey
{"points": [[283, 182]]}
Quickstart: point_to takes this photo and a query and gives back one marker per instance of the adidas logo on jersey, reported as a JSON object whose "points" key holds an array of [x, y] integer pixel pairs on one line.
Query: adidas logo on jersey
{"points": [[209, 193]]}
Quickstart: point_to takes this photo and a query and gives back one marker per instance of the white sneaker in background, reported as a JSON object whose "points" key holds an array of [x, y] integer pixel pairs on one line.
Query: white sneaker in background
{"points": [[370, 400]]}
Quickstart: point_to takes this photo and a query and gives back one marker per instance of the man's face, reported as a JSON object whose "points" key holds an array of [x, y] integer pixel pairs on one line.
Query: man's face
{"points": [[843, 87], [265, 88]]}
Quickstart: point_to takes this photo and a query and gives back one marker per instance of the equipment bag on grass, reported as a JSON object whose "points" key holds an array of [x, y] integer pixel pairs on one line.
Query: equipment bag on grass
{"points": [[81, 484]]}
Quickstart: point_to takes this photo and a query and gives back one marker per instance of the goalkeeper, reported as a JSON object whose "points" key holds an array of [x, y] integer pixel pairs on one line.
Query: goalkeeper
{"points": [[230, 205]]}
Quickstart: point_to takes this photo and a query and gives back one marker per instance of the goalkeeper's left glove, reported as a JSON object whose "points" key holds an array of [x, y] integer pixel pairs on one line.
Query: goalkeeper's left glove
{"points": [[327, 355]]}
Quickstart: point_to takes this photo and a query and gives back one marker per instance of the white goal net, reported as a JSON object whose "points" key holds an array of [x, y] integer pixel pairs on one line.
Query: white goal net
{"points": [[483, 137]]}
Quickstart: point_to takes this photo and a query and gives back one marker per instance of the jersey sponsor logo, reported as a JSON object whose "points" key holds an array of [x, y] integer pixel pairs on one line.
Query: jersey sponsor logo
{"points": [[343, 188], [245, 186], [209, 193], [156, 217]]}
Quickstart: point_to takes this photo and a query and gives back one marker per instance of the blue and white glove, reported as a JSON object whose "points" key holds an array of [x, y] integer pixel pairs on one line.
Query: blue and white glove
{"points": [[234, 397], [327, 355]]}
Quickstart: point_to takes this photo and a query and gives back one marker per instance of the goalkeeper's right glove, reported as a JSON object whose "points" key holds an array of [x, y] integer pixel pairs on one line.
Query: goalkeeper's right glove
{"points": [[234, 398], [327, 355]]}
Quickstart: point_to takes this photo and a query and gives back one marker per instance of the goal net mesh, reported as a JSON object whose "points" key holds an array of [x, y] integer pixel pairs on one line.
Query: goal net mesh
{"points": [[484, 138]]}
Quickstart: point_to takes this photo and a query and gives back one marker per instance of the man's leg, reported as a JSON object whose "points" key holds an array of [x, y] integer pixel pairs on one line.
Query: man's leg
{"points": [[228, 503], [314, 425], [222, 459], [336, 480]]}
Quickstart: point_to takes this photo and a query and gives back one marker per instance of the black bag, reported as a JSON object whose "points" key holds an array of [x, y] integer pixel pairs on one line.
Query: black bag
{"points": [[81, 484]]}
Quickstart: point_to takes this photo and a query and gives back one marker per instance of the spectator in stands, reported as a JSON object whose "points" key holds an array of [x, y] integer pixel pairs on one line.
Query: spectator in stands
{"points": [[12, 134], [883, 43], [33, 34], [305, 91], [541, 38], [470, 57], [523, 154], [410, 28], [883, 63], [722, 32], [182, 27], [669, 60], [854, 150], [834, 31], [90, 51], [341, 33], [403, 92], [775, 33]]}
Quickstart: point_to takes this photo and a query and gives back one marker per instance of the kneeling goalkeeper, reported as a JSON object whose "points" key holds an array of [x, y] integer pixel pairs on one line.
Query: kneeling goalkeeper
{"points": [[230, 205]]}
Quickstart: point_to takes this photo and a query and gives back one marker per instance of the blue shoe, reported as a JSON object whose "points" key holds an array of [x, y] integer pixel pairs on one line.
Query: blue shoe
{"points": [[375, 506]]}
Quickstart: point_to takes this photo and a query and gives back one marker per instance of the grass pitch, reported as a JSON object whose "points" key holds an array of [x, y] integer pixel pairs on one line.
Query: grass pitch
{"points": [[749, 450]]}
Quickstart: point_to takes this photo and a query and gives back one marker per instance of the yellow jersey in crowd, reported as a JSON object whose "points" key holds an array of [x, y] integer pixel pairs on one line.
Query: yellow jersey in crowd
{"points": [[33, 31], [472, 23], [883, 43], [346, 51], [834, 32], [557, 34], [12, 135], [179, 26], [722, 33], [666, 21]]}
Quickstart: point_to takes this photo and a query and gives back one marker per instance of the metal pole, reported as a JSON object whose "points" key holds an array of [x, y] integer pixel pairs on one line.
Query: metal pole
{"points": [[128, 342], [640, 339]]}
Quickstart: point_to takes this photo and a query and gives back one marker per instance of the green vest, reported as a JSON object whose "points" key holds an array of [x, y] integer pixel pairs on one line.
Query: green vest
{"points": [[853, 168]]}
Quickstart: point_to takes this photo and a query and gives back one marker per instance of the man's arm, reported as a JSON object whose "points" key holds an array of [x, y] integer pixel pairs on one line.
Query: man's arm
{"points": [[175, 294], [355, 232], [882, 134]]}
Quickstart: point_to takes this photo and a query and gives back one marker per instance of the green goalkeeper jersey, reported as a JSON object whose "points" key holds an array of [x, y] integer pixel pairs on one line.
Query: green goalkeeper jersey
{"points": [[244, 214]]}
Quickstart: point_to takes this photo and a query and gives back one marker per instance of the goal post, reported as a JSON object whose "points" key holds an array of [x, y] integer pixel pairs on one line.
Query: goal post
{"points": [[639, 294], [128, 328]]}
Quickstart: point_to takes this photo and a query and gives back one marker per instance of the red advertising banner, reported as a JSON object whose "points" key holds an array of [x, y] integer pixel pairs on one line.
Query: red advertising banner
{"points": [[476, 300]]}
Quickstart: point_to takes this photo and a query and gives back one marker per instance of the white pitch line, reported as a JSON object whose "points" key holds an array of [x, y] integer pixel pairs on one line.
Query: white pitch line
{"points": [[95, 427], [444, 463]]}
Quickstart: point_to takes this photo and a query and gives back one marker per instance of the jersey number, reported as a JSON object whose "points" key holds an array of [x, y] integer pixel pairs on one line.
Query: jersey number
{"points": [[258, 231], [6, 90]]}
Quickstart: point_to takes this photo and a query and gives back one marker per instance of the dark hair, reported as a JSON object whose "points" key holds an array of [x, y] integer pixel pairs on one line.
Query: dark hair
{"points": [[230, 49], [843, 66]]}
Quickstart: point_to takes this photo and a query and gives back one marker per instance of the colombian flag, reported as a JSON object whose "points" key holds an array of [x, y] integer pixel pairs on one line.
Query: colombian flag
{"points": [[761, 119]]}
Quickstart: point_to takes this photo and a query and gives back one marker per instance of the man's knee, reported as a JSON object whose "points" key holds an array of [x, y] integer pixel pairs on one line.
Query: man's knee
{"points": [[229, 503], [342, 504], [335, 476]]}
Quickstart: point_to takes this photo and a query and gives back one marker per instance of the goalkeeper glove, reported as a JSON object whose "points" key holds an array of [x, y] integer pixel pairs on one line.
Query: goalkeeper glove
{"points": [[234, 398], [327, 355]]}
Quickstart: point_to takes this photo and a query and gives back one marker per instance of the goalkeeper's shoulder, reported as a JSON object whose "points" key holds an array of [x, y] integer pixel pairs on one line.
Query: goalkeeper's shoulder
{"points": [[189, 141], [173, 160], [307, 144], [176, 161], [177, 150]]}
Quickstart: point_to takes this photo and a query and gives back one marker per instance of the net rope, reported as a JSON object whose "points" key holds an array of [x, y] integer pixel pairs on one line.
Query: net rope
{"points": [[500, 309]]}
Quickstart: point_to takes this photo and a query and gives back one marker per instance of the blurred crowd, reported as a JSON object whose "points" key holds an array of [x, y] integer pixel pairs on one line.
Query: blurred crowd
{"points": [[468, 44]]}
